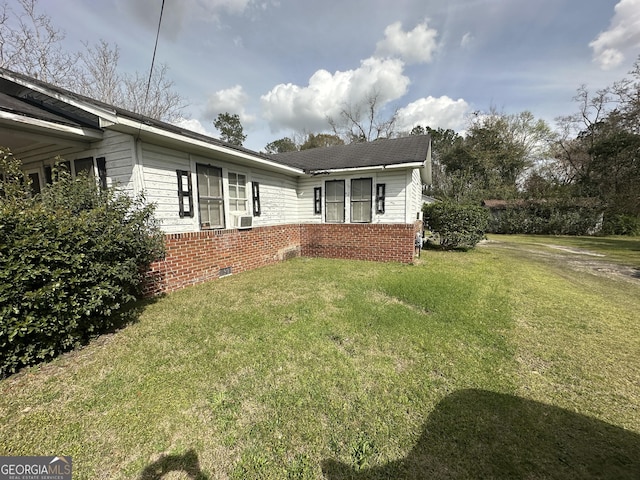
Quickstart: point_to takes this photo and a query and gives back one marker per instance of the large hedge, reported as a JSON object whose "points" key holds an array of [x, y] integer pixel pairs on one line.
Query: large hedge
{"points": [[72, 260], [547, 218], [457, 225]]}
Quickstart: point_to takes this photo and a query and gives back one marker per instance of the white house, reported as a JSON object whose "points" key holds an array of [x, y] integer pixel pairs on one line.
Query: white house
{"points": [[229, 207]]}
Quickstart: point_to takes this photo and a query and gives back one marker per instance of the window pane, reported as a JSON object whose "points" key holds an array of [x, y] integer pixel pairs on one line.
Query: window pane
{"points": [[361, 189], [211, 214], [356, 189], [335, 212], [203, 184], [335, 191], [35, 182], [209, 181], [238, 201], [84, 165], [361, 212], [210, 203]]}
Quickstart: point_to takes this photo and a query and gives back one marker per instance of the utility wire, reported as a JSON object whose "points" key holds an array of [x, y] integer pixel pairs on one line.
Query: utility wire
{"points": [[153, 61]]}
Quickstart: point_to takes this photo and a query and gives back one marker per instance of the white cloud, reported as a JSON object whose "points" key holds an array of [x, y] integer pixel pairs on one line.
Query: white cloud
{"points": [[289, 106], [441, 112], [416, 46], [467, 40], [193, 125], [623, 35], [232, 100]]}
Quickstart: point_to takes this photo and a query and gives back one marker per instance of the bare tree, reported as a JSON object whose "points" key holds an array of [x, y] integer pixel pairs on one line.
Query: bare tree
{"points": [[153, 96], [362, 122], [100, 77], [30, 44]]}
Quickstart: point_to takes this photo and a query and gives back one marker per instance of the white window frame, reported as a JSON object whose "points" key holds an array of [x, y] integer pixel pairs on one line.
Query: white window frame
{"points": [[234, 189], [330, 202], [363, 203], [210, 200]]}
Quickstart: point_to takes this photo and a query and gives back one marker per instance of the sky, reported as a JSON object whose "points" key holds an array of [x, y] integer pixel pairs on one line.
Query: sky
{"points": [[285, 66]]}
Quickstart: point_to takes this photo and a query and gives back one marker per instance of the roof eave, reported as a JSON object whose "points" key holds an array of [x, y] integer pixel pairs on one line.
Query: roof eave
{"points": [[44, 126], [132, 126], [102, 113], [395, 166]]}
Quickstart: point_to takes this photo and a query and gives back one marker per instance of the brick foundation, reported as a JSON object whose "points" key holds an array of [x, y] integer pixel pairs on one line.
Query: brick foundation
{"points": [[193, 258], [363, 241]]}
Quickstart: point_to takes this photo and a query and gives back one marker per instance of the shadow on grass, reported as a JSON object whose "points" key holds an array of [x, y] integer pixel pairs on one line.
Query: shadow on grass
{"points": [[187, 463], [481, 434]]}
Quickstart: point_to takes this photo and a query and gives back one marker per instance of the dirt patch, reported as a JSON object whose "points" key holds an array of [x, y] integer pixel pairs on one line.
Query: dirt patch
{"points": [[574, 258], [577, 251]]}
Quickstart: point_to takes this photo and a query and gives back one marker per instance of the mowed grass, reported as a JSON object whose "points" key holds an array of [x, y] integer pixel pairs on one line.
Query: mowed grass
{"points": [[489, 363]]}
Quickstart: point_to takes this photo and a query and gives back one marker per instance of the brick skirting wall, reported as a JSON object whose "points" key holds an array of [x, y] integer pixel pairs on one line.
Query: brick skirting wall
{"points": [[359, 241], [197, 257]]}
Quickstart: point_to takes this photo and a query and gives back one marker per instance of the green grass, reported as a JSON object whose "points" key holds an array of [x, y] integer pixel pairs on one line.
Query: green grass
{"points": [[491, 363]]}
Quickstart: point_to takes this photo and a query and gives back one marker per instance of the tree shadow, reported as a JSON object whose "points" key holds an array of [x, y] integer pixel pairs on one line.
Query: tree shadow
{"points": [[188, 463], [481, 434]]}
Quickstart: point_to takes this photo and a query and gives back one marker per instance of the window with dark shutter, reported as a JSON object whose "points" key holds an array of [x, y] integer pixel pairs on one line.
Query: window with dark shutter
{"points": [[317, 200], [255, 186], [185, 196], [380, 197]]}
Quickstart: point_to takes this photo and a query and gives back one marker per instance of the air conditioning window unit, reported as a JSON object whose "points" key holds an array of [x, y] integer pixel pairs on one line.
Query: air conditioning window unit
{"points": [[244, 221]]}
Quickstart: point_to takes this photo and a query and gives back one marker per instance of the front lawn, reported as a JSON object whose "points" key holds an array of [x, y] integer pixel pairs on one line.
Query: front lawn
{"points": [[492, 363]]}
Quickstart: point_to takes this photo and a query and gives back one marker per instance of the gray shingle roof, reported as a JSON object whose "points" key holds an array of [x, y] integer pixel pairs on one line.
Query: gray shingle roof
{"points": [[387, 152]]}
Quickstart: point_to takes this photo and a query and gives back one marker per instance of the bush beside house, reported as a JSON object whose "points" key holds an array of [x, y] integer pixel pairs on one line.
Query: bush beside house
{"points": [[457, 225], [72, 260]]}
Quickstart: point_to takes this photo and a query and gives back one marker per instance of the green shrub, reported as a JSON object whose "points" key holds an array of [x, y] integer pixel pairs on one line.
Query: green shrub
{"points": [[72, 260], [552, 218], [621, 224], [459, 226]]}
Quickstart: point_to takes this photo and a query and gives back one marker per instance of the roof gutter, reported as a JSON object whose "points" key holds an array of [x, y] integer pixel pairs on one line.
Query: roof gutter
{"points": [[368, 168]]}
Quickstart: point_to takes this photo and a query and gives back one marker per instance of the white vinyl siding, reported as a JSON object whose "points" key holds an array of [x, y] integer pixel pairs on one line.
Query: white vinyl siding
{"points": [[278, 198], [414, 196]]}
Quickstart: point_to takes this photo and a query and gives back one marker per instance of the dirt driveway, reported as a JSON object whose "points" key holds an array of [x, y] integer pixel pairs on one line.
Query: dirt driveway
{"points": [[573, 258]]}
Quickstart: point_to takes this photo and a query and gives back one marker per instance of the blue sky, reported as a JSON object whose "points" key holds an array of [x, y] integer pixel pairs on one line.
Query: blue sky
{"points": [[285, 65]]}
